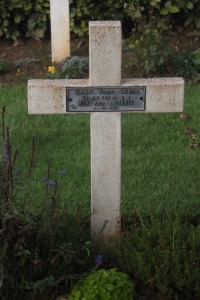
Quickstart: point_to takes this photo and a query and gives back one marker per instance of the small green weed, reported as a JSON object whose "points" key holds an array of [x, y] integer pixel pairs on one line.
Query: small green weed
{"points": [[75, 67], [71, 67], [187, 64], [104, 285]]}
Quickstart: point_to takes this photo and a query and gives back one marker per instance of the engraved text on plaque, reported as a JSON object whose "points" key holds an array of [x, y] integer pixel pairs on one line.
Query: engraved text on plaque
{"points": [[102, 99]]}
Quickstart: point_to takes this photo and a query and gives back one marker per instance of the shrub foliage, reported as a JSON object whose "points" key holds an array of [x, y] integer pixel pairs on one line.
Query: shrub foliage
{"points": [[22, 18]]}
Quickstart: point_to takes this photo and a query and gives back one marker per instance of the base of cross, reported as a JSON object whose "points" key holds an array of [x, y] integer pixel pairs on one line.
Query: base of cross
{"points": [[105, 96]]}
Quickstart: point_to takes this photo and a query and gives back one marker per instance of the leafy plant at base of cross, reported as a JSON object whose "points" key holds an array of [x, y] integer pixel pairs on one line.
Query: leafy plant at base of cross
{"points": [[104, 285]]}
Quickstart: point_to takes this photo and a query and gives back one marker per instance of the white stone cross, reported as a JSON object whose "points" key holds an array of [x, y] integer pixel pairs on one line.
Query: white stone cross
{"points": [[60, 29], [105, 95]]}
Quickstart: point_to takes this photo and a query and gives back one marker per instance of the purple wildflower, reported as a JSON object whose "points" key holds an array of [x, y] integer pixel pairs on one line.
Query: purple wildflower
{"points": [[44, 179], [52, 184], [99, 259], [6, 155]]}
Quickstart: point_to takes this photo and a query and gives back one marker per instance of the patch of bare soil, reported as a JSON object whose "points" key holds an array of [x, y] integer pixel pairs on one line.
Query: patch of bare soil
{"points": [[26, 59], [30, 58]]}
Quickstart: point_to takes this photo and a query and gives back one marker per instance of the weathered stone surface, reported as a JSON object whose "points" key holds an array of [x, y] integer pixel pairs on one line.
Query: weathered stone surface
{"points": [[105, 53], [106, 176], [162, 94], [49, 96], [105, 70]]}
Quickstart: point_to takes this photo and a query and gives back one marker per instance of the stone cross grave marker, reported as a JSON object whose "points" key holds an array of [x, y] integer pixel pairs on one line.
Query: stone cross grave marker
{"points": [[60, 30], [105, 96]]}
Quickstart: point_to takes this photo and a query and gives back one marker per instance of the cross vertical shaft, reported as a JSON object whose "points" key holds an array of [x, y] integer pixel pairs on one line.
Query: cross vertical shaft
{"points": [[105, 70]]}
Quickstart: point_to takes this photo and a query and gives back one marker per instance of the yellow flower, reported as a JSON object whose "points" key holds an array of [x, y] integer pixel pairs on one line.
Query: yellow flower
{"points": [[51, 69], [137, 42]]}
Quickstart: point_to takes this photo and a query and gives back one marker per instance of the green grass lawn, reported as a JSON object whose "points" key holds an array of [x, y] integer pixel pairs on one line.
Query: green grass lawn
{"points": [[159, 171]]}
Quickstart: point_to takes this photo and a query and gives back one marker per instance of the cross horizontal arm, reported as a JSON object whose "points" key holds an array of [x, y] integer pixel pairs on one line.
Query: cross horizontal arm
{"points": [[49, 96]]}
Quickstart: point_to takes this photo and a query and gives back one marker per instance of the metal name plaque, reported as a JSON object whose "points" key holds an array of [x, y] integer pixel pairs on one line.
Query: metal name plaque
{"points": [[102, 99]]}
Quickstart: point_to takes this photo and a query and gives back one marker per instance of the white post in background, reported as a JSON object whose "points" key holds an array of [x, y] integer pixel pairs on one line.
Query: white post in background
{"points": [[60, 30]]}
